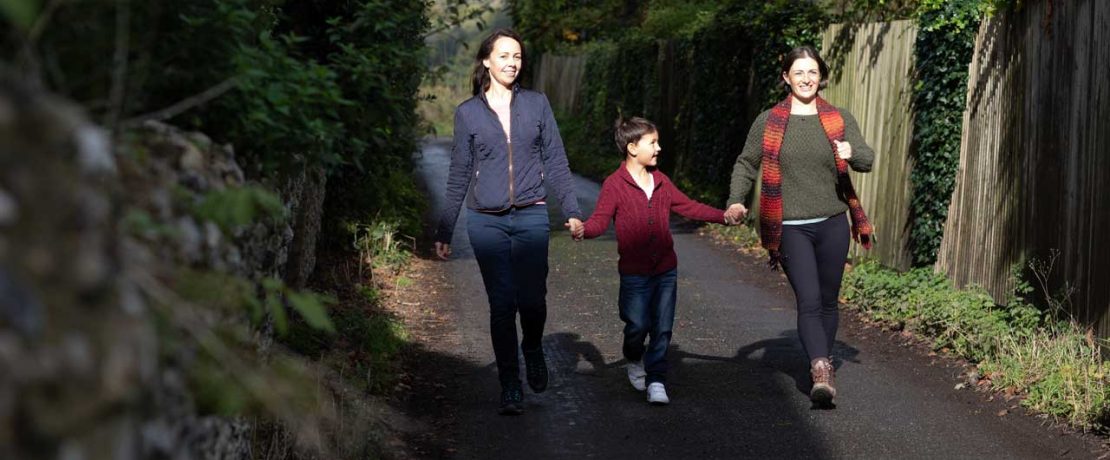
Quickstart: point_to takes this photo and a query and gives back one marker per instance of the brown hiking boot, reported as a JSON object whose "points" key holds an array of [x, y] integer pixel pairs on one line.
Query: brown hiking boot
{"points": [[823, 390]]}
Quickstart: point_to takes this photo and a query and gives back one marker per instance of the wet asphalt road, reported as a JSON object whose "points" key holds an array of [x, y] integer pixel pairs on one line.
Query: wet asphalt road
{"points": [[738, 377]]}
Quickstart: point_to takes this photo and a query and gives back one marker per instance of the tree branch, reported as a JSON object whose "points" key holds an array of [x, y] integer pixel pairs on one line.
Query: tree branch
{"points": [[185, 104]]}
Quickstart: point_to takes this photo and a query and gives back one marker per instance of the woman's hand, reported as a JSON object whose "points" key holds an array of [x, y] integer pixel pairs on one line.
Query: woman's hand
{"points": [[443, 250], [843, 150]]}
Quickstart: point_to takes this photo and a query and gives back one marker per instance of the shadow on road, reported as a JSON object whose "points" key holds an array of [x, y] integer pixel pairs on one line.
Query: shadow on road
{"points": [[722, 407]]}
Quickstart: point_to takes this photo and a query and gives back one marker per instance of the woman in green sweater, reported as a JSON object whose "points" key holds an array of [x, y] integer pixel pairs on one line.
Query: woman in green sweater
{"points": [[805, 146]]}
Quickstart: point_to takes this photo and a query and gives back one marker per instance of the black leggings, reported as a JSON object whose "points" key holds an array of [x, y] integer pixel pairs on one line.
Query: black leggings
{"points": [[814, 256]]}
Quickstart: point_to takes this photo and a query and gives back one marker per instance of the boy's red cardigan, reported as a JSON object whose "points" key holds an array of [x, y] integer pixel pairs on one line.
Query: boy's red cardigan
{"points": [[643, 226]]}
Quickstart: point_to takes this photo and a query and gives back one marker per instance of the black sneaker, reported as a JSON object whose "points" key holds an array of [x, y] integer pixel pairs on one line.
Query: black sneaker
{"points": [[536, 370], [512, 401]]}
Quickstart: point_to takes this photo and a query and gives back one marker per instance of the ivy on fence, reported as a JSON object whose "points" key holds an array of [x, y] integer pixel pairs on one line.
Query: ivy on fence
{"points": [[942, 53]]}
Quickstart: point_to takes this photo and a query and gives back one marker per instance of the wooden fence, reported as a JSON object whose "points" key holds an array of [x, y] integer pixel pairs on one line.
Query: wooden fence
{"points": [[1034, 160], [560, 77], [871, 68]]}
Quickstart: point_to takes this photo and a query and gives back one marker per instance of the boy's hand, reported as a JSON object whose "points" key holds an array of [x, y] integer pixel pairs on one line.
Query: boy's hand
{"points": [[735, 213], [577, 229]]}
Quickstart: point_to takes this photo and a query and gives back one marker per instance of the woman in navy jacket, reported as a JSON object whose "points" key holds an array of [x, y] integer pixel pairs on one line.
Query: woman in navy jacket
{"points": [[506, 146]]}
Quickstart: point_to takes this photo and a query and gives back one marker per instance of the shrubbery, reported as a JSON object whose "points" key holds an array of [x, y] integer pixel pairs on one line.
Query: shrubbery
{"points": [[1048, 359]]}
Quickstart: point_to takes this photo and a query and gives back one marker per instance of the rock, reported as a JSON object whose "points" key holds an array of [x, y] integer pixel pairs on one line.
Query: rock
{"points": [[192, 160], [94, 151], [200, 140], [77, 355], [213, 237], [19, 308], [189, 239]]}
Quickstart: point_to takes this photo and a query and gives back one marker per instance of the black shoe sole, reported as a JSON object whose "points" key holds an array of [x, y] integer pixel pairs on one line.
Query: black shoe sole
{"points": [[821, 396], [510, 409], [538, 388]]}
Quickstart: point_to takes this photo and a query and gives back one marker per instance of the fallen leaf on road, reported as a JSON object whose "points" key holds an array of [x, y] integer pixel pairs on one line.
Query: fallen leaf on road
{"points": [[1003, 412]]}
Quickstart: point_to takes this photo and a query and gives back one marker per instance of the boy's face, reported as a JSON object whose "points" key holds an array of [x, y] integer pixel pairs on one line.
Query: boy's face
{"points": [[646, 150]]}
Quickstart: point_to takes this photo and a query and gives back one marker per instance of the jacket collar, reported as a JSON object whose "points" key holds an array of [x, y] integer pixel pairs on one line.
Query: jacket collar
{"points": [[656, 176], [482, 94]]}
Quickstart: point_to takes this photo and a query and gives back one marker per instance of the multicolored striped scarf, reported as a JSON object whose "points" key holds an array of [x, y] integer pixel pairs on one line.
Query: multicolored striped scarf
{"points": [[770, 200]]}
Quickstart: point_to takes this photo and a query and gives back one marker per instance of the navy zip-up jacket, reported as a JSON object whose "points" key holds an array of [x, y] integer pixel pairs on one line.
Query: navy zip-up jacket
{"points": [[498, 175]]}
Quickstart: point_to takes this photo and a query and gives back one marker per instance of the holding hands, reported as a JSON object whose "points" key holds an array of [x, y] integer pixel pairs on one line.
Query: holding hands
{"points": [[443, 250], [576, 227], [735, 214]]}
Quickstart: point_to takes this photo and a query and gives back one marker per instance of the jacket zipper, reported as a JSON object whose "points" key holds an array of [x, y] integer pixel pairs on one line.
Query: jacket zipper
{"points": [[511, 194], [508, 142]]}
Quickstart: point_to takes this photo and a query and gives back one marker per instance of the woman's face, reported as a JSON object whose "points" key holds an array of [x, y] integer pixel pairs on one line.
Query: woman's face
{"points": [[804, 78], [504, 61]]}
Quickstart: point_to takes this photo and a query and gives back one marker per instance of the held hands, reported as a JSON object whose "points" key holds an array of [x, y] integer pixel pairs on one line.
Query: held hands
{"points": [[843, 150], [735, 214], [576, 227], [443, 250]]}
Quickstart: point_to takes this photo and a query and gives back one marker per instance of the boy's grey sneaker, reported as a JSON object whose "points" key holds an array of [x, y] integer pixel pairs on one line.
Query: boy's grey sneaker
{"points": [[637, 375], [657, 394], [512, 401]]}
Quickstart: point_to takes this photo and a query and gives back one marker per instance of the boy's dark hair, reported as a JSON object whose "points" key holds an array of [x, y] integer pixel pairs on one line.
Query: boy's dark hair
{"points": [[630, 130]]}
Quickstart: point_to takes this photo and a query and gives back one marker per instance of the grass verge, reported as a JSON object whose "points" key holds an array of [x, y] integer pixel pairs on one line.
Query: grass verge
{"points": [[1052, 363]]}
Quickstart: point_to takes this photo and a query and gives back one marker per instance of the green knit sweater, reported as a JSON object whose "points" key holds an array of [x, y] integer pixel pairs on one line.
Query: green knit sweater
{"points": [[808, 167]]}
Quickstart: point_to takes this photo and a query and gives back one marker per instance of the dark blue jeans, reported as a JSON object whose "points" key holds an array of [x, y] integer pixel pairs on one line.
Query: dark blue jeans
{"points": [[511, 248], [647, 304], [814, 264]]}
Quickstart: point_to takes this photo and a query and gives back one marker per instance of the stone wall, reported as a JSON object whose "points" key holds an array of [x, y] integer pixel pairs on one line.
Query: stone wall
{"points": [[92, 230]]}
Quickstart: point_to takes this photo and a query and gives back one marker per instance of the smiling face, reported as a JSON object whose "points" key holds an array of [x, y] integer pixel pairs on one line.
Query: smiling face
{"points": [[646, 150], [505, 61], [804, 78]]}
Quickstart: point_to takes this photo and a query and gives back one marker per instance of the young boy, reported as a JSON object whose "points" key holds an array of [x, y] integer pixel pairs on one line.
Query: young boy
{"points": [[640, 199]]}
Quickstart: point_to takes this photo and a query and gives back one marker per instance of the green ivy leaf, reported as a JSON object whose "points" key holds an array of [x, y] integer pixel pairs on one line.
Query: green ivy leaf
{"points": [[313, 308]]}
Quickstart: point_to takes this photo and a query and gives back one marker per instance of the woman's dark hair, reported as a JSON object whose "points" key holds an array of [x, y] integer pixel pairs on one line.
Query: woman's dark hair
{"points": [[480, 77], [802, 52], [630, 130]]}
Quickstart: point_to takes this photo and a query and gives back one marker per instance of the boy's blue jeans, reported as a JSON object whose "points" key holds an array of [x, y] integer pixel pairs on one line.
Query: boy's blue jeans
{"points": [[647, 304], [511, 248]]}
